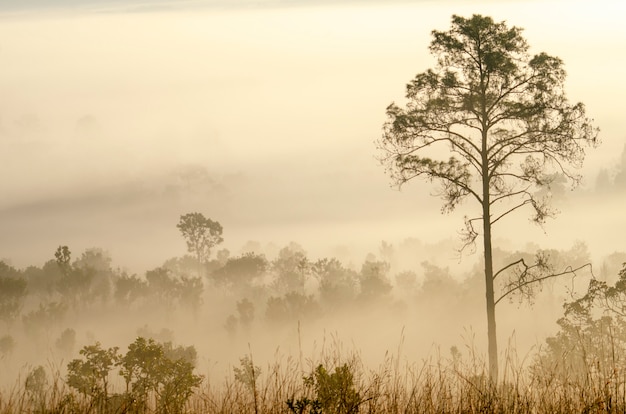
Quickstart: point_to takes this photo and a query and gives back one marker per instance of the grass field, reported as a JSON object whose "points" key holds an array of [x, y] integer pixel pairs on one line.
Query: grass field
{"points": [[339, 382]]}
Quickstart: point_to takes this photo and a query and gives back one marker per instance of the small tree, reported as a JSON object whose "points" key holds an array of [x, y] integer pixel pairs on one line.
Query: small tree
{"points": [[90, 376], [152, 368], [248, 375], [490, 123], [201, 235], [140, 366], [335, 392]]}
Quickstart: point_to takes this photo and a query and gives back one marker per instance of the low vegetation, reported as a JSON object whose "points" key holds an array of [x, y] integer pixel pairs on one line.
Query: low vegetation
{"points": [[334, 383], [580, 370], [232, 300]]}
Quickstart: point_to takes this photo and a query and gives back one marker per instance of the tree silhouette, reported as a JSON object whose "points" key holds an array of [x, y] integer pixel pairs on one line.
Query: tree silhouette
{"points": [[507, 126], [201, 234], [241, 272], [291, 269], [337, 284], [12, 292], [63, 257]]}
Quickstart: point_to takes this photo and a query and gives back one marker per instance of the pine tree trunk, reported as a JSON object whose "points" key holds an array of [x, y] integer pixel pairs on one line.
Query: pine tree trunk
{"points": [[491, 306], [492, 348]]}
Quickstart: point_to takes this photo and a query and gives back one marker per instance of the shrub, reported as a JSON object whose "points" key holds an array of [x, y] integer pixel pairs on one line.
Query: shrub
{"points": [[150, 369], [334, 393]]}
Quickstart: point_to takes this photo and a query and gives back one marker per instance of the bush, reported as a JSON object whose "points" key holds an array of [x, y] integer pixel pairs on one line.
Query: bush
{"points": [[150, 369], [334, 393]]}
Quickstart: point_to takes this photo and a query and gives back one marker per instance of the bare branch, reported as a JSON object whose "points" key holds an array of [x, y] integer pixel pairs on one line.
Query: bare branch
{"points": [[521, 285], [468, 235], [522, 204], [509, 266]]}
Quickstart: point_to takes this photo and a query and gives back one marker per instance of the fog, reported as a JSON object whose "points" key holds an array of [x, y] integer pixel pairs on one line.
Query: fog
{"points": [[275, 109], [117, 118]]}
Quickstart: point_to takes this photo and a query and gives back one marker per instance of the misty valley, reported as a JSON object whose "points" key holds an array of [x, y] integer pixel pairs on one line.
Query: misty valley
{"points": [[216, 332], [295, 281]]}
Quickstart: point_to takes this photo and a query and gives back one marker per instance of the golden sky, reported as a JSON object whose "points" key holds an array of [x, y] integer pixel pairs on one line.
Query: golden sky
{"points": [[106, 112]]}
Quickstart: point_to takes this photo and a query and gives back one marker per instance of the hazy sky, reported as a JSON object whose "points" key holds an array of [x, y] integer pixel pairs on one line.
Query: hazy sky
{"points": [[116, 117]]}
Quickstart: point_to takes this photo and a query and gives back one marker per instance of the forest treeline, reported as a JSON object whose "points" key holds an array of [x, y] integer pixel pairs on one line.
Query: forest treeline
{"points": [[285, 289], [45, 305]]}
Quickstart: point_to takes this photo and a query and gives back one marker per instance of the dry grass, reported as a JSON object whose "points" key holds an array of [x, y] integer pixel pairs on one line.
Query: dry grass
{"points": [[436, 385]]}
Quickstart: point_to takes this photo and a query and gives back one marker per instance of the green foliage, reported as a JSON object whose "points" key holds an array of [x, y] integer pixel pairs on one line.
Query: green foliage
{"points": [[507, 129], [140, 366], [248, 373], [301, 405], [335, 393], [150, 369], [161, 370], [176, 385], [90, 374]]}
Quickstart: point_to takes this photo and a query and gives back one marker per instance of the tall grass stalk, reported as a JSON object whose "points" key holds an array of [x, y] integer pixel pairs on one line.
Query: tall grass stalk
{"points": [[437, 384]]}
